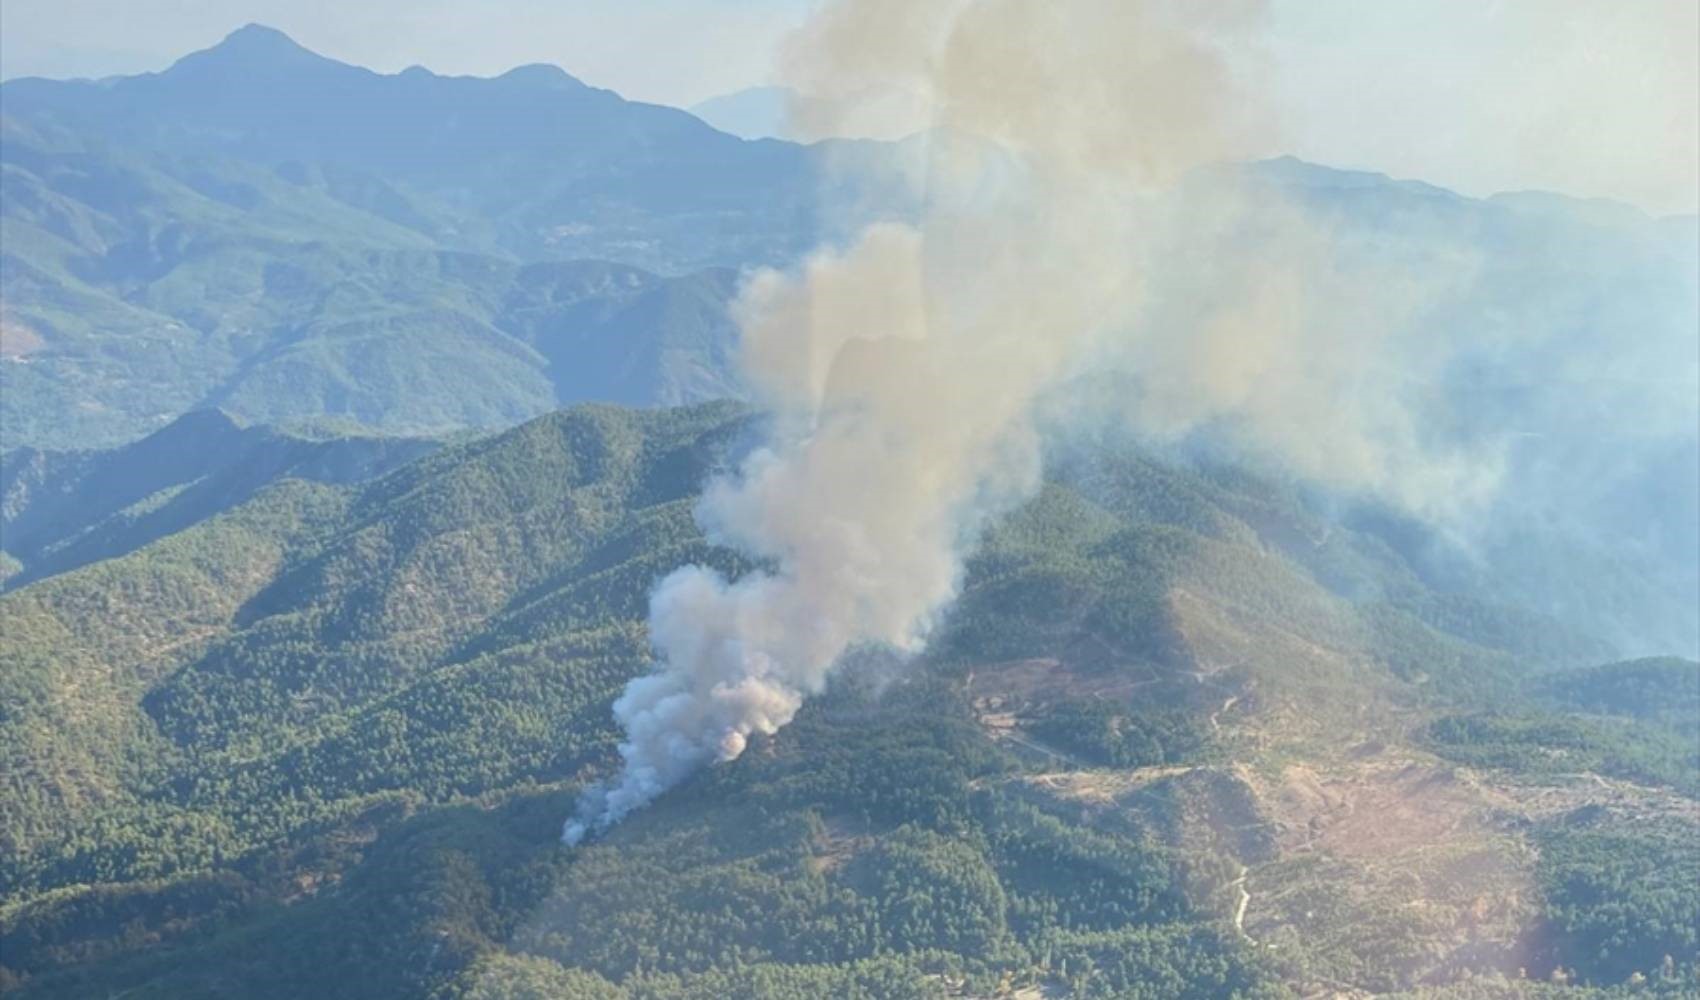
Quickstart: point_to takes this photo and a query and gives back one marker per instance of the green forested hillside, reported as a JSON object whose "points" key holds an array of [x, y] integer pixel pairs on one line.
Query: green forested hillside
{"points": [[266, 230], [313, 325], [61, 510], [322, 743], [260, 629]]}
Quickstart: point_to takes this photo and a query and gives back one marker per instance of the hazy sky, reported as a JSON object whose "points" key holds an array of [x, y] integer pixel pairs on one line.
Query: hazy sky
{"points": [[1589, 97]]}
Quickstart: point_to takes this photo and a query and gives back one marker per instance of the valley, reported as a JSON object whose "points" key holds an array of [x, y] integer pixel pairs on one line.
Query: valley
{"points": [[378, 698], [489, 538]]}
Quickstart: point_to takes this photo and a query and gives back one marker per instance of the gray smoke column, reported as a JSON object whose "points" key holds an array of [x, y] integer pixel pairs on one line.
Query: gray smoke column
{"points": [[901, 370]]}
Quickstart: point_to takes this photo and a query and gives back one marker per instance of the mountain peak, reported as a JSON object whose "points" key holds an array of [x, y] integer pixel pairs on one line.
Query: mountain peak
{"points": [[210, 421], [250, 47], [256, 38], [540, 75]]}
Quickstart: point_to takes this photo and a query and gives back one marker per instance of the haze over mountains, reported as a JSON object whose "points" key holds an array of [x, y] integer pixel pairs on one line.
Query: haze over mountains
{"points": [[412, 254], [753, 113], [316, 599], [775, 112], [415, 257], [261, 228], [533, 163]]}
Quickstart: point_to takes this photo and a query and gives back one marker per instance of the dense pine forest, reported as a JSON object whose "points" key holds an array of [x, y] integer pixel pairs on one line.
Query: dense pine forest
{"points": [[1131, 563], [322, 741]]}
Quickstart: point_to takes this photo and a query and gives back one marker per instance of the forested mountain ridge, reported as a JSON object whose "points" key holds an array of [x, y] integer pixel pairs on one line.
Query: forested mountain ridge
{"points": [[265, 230], [323, 742], [61, 510], [403, 341], [299, 709], [532, 163], [424, 253]]}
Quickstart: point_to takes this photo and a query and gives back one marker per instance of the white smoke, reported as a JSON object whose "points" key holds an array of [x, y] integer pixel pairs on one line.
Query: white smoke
{"points": [[1055, 241], [902, 370]]}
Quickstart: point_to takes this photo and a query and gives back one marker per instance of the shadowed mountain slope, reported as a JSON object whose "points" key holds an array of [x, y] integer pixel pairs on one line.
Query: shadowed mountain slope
{"points": [[325, 740], [62, 510]]}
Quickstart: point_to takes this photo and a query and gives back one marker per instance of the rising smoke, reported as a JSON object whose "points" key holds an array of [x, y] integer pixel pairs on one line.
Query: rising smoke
{"points": [[1064, 230], [902, 370]]}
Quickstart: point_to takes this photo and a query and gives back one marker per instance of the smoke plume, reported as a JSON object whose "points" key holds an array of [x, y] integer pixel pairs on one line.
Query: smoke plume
{"points": [[901, 370], [1485, 366]]}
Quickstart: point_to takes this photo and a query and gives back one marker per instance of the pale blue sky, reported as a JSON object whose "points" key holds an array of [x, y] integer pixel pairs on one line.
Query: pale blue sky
{"points": [[1589, 97]]}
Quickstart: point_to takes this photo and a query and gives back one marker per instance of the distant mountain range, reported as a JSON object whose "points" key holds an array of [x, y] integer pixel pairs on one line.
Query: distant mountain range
{"points": [[270, 231], [302, 668], [753, 113], [533, 163], [286, 237]]}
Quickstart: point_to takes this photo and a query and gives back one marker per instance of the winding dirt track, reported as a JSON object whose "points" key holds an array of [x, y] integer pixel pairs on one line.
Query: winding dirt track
{"points": [[1245, 901]]}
